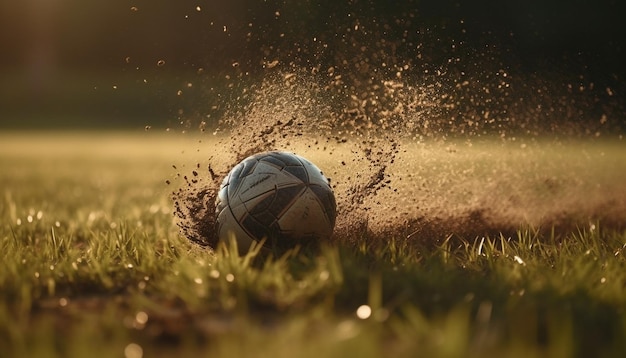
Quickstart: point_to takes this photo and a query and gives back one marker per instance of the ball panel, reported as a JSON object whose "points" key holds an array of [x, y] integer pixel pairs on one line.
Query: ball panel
{"points": [[264, 178], [255, 228], [221, 201], [267, 210], [327, 200], [238, 210], [298, 172], [233, 180], [305, 218], [285, 158], [228, 226], [248, 167], [260, 202], [274, 161], [255, 185], [315, 174], [284, 199], [289, 163], [238, 175]]}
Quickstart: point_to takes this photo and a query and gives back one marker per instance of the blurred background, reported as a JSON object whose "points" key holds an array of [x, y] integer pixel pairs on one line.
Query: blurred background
{"points": [[133, 63]]}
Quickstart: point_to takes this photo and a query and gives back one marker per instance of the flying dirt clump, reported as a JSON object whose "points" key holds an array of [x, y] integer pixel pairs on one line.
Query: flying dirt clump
{"points": [[194, 205]]}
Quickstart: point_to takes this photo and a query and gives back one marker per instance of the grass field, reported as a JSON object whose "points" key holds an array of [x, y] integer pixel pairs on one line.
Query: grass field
{"points": [[92, 262]]}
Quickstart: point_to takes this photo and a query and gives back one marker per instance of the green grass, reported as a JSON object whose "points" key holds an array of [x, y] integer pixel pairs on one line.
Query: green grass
{"points": [[92, 264]]}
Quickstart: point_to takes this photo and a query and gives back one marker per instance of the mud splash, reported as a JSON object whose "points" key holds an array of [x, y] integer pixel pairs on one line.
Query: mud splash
{"points": [[359, 98], [388, 183], [284, 115]]}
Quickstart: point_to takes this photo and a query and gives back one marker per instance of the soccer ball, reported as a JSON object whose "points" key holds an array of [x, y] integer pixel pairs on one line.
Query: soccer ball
{"points": [[277, 196]]}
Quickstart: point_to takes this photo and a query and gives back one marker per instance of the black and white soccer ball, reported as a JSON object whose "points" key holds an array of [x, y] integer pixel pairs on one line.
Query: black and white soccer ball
{"points": [[277, 196]]}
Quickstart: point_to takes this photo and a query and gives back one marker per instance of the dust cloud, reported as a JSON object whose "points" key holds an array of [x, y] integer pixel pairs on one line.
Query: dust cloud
{"points": [[423, 136]]}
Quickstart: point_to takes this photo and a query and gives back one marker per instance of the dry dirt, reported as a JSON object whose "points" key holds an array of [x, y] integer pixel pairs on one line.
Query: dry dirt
{"points": [[425, 151], [390, 182]]}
